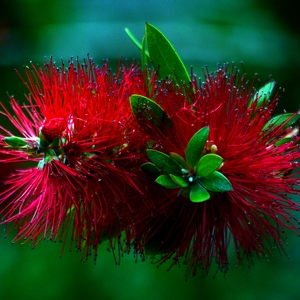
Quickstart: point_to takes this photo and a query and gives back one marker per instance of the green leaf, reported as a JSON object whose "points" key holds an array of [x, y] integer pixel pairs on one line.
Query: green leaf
{"points": [[179, 159], [163, 56], [263, 94], [135, 41], [179, 180], [166, 181], [151, 169], [284, 141], [208, 164], [195, 146], [15, 141], [143, 53], [164, 162], [216, 182], [287, 120], [148, 108], [198, 193]]}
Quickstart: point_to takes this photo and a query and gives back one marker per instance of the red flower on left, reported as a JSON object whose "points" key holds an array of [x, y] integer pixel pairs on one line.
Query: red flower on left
{"points": [[78, 138]]}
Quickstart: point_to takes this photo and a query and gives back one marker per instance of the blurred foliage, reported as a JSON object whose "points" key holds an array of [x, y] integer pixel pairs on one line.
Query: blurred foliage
{"points": [[262, 34]]}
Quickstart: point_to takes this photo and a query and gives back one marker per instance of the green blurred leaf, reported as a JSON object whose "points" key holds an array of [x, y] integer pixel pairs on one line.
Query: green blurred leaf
{"points": [[179, 159], [136, 42], [179, 180], [208, 164], [198, 193], [287, 120], [166, 181], [148, 108], [163, 56], [195, 146], [15, 141], [151, 169], [263, 94], [144, 53], [216, 182], [284, 141], [164, 162]]}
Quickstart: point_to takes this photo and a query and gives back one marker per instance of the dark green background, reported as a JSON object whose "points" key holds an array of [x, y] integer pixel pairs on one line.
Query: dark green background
{"points": [[262, 34]]}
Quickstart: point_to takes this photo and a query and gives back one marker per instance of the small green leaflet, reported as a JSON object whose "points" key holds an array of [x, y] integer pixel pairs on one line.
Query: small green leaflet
{"points": [[208, 164], [198, 193], [216, 182], [164, 162], [179, 159], [263, 94], [195, 146], [163, 56], [15, 141], [179, 181], [151, 169], [196, 177], [287, 119], [166, 181], [141, 105], [144, 53], [284, 141]]}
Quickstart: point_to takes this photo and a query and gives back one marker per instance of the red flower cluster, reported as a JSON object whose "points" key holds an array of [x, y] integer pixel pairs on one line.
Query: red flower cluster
{"points": [[259, 158], [167, 168], [80, 133]]}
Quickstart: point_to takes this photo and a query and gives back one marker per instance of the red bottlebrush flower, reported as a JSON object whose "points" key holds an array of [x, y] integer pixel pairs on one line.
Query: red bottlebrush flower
{"points": [[230, 167], [78, 134]]}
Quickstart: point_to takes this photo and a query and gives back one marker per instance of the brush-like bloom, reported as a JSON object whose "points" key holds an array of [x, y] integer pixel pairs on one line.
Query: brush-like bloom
{"points": [[177, 169], [78, 140], [229, 169]]}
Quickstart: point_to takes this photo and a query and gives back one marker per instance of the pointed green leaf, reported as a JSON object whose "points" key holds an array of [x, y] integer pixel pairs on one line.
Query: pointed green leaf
{"points": [[151, 169], [179, 159], [216, 182], [263, 94], [284, 141], [208, 164], [287, 119], [164, 162], [179, 180], [150, 110], [15, 141], [198, 193], [166, 181], [195, 146], [135, 41], [143, 53], [163, 56]]}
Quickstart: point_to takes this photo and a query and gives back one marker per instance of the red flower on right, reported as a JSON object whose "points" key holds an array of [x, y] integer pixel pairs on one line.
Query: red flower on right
{"points": [[230, 167]]}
